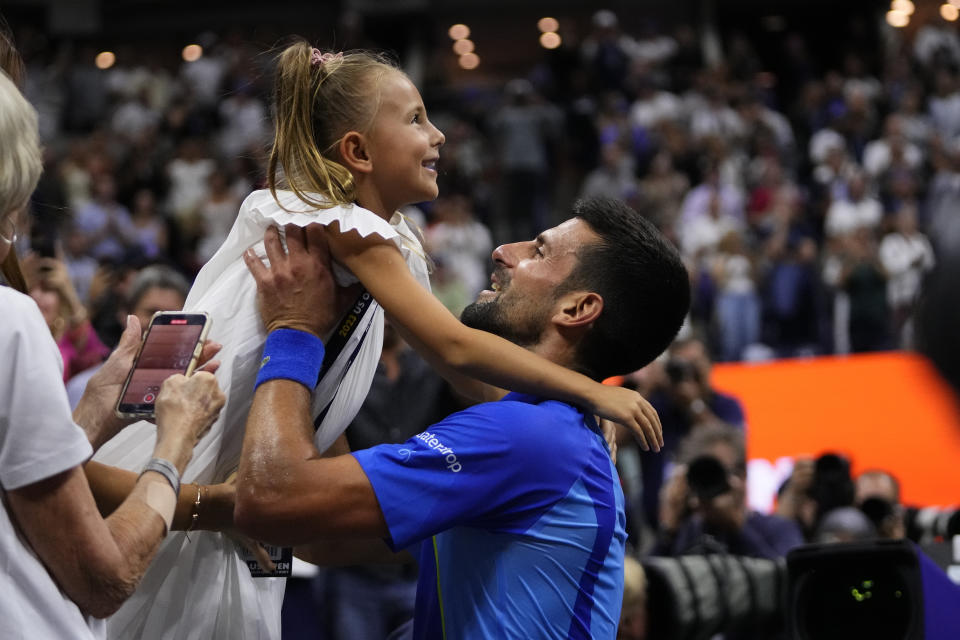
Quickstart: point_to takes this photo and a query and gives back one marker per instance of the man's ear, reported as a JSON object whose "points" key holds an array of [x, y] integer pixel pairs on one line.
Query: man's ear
{"points": [[579, 309], [353, 152]]}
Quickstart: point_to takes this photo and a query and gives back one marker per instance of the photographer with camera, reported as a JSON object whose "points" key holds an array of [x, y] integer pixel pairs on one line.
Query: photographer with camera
{"points": [[814, 489], [685, 402], [704, 507]]}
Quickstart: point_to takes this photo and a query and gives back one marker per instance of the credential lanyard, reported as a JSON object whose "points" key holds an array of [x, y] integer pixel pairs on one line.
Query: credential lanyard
{"points": [[345, 329]]}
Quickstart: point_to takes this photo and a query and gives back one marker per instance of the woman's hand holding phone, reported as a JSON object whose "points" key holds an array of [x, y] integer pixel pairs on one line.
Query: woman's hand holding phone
{"points": [[95, 411], [185, 408]]}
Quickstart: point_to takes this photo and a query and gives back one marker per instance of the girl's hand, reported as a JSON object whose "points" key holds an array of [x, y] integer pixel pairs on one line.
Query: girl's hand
{"points": [[629, 408], [609, 430]]}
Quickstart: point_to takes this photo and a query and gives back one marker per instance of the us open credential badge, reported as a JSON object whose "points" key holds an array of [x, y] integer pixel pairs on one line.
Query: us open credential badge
{"points": [[282, 557]]}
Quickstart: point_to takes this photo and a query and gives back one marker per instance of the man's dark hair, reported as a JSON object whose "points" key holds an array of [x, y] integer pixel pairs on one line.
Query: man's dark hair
{"points": [[644, 285]]}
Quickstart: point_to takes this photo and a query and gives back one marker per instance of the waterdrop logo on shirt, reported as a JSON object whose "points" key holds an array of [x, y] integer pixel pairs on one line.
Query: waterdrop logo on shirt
{"points": [[449, 456]]}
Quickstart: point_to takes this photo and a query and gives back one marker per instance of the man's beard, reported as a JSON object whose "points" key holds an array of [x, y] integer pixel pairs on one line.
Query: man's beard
{"points": [[492, 317]]}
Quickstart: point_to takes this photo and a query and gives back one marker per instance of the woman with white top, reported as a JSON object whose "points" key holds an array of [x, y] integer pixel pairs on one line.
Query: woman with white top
{"points": [[63, 564]]}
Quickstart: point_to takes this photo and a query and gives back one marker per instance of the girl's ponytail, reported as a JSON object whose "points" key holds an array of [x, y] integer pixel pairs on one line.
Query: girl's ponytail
{"points": [[316, 104]]}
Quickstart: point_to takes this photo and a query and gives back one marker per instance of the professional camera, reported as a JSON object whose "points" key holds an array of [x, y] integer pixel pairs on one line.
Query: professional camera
{"points": [[697, 597], [880, 589], [832, 485], [707, 478], [679, 370], [931, 523]]}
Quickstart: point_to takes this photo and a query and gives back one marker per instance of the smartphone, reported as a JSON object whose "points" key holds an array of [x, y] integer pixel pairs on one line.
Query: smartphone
{"points": [[171, 345]]}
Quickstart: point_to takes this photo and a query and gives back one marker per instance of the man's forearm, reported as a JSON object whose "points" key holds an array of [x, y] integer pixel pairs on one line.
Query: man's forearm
{"points": [[286, 493], [278, 435]]}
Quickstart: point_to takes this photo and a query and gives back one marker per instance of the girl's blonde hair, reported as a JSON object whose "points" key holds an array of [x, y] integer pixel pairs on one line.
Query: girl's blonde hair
{"points": [[316, 104]]}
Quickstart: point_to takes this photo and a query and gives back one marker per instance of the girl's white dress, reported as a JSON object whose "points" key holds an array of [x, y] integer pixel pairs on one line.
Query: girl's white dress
{"points": [[201, 588]]}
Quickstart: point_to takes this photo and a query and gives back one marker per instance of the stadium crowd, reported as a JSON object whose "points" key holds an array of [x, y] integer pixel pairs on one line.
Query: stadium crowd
{"points": [[803, 205]]}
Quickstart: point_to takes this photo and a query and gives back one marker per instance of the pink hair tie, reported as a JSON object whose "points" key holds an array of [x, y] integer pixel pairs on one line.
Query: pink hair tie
{"points": [[317, 58]]}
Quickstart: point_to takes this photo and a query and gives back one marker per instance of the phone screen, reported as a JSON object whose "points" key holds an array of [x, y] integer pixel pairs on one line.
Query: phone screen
{"points": [[167, 350]]}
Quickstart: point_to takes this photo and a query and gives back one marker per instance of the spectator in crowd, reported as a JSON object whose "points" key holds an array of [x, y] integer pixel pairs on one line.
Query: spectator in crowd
{"points": [[944, 104], [525, 130], [858, 210], [661, 193], [893, 149], [704, 508], [66, 316], [864, 280], [103, 222], [461, 243], [737, 305], [150, 226], [877, 494], [714, 197], [789, 284], [607, 51], [614, 178], [906, 255], [154, 288], [189, 173], [217, 214], [815, 488], [652, 105]]}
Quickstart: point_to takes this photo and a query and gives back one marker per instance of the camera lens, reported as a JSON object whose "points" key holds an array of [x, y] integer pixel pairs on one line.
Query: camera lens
{"points": [[707, 477]]}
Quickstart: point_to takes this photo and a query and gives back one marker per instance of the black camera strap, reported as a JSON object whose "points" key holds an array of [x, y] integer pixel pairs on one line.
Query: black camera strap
{"points": [[345, 329]]}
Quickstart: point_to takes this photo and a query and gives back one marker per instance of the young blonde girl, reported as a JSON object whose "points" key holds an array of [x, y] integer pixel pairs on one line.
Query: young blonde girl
{"points": [[353, 145]]}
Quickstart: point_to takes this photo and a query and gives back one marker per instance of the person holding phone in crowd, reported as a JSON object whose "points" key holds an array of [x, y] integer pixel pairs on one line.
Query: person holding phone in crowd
{"points": [[64, 565]]}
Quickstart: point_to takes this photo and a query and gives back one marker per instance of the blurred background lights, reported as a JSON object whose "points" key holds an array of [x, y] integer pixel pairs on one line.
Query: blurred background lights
{"points": [[462, 47], [904, 6], [459, 32], [469, 61], [105, 60], [955, 3], [897, 19], [192, 52], [547, 24], [550, 40], [949, 12]]}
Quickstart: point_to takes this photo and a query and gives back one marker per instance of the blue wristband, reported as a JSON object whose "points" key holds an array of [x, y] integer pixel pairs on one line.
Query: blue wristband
{"points": [[290, 354]]}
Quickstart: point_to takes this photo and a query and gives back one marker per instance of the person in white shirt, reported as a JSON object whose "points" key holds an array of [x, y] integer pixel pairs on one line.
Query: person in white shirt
{"points": [[859, 210], [906, 255], [63, 564]]}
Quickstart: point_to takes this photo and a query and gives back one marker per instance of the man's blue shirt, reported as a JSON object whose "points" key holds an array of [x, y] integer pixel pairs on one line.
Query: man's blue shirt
{"points": [[515, 513]]}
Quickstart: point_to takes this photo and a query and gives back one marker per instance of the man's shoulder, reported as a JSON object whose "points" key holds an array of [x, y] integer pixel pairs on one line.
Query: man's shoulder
{"points": [[533, 413], [522, 423]]}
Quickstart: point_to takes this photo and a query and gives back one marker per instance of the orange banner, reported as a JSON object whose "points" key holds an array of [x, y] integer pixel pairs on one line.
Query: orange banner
{"points": [[889, 411]]}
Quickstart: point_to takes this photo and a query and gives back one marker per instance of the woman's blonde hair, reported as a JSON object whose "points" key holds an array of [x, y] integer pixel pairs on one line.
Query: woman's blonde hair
{"points": [[20, 161], [316, 104]]}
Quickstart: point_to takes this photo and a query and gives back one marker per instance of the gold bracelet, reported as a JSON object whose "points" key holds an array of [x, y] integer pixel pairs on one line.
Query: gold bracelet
{"points": [[196, 511]]}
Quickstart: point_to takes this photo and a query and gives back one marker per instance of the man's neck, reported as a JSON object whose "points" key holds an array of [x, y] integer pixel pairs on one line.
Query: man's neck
{"points": [[557, 349]]}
